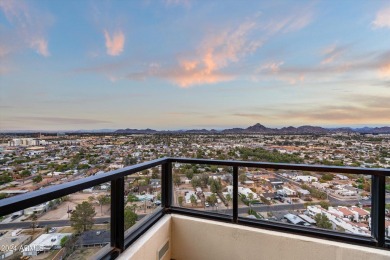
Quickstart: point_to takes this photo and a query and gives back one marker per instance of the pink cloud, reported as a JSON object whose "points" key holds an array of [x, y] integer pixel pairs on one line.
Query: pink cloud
{"points": [[40, 45], [333, 53], [384, 70], [382, 18], [216, 52], [274, 67], [205, 66], [114, 43]]}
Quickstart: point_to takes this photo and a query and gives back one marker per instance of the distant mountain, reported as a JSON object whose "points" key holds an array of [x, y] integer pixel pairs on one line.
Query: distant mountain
{"points": [[136, 131], [261, 129], [254, 129], [373, 130]]}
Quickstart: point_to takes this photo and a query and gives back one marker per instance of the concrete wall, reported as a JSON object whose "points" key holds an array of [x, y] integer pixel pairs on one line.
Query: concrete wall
{"points": [[194, 238], [148, 244]]}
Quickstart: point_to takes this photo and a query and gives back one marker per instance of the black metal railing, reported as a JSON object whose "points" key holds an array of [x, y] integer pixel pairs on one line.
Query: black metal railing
{"points": [[117, 178]]}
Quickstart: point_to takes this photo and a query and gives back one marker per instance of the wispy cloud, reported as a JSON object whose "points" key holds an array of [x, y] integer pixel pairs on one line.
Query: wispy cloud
{"points": [[216, 52], [30, 26], [294, 21], [374, 64], [357, 109], [382, 19], [332, 53], [114, 42], [61, 120]]}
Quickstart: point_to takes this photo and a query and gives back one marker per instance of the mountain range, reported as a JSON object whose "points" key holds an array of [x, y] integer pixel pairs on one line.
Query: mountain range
{"points": [[261, 129]]}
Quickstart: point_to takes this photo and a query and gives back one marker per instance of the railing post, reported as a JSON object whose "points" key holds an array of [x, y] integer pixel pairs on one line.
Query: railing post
{"points": [[378, 201], [117, 214], [235, 194], [167, 185]]}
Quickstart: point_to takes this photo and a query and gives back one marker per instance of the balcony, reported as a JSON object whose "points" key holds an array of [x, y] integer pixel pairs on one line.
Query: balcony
{"points": [[174, 231]]}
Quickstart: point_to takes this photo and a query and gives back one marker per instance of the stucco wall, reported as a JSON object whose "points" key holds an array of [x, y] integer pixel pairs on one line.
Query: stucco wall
{"points": [[148, 244], [194, 239]]}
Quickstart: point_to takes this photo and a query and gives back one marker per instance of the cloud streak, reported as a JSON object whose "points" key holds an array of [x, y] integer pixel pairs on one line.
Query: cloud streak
{"points": [[114, 42], [62, 120], [382, 19], [30, 27], [358, 109]]}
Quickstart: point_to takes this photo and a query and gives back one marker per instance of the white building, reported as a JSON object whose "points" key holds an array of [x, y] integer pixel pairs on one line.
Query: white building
{"points": [[306, 178], [337, 220], [44, 243], [246, 192], [38, 209]]}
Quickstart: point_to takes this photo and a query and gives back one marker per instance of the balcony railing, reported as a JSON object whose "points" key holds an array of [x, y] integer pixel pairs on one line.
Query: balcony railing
{"points": [[117, 178]]}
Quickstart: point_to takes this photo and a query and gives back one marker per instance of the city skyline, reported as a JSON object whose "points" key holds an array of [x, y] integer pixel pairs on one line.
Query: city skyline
{"points": [[183, 64]]}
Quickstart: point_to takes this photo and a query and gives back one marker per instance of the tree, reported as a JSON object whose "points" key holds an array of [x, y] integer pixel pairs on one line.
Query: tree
{"points": [[212, 199], [242, 178], [130, 217], [155, 173], [63, 241], [204, 179], [189, 173], [91, 199], [322, 221], [324, 204], [228, 199], [196, 182], [34, 219], [250, 197], [25, 173], [215, 185], [37, 179], [176, 179], [82, 217], [132, 198], [193, 200], [180, 200], [103, 200]]}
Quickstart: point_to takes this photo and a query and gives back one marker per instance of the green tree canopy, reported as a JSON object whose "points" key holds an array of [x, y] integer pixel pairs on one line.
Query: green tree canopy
{"points": [[323, 221], [37, 179], [130, 217], [82, 217]]}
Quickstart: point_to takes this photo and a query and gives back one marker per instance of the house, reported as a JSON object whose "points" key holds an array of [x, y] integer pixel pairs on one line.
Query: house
{"points": [[45, 243], [306, 178], [39, 209], [289, 192], [16, 240], [246, 192], [92, 238], [293, 219]]}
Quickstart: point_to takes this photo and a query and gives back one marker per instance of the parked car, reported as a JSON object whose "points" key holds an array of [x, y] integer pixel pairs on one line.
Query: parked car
{"points": [[52, 230]]}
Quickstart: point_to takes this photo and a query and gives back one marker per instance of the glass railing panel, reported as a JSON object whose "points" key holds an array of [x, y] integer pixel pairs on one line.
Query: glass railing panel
{"points": [[333, 201], [203, 187]]}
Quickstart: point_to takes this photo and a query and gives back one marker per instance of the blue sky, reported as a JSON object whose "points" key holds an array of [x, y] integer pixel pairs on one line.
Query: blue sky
{"points": [[181, 64]]}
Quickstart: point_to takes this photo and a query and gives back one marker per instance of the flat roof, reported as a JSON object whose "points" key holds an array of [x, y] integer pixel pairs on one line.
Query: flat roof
{"points": [[47, 241], [94, 237]]}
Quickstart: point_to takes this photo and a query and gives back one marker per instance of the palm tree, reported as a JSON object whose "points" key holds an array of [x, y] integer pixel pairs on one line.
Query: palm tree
{"points": [[34, 218]]}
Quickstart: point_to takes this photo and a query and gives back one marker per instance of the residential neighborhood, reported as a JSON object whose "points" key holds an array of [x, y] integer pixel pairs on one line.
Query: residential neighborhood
{"points": [[335, 201]]}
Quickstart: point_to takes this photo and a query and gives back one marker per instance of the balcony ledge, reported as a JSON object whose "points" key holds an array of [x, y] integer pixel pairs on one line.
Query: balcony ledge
{"points": [[195, 238]]}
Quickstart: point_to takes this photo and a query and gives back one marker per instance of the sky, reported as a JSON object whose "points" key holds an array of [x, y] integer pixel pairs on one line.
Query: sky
{"points": [[185, 64]]}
